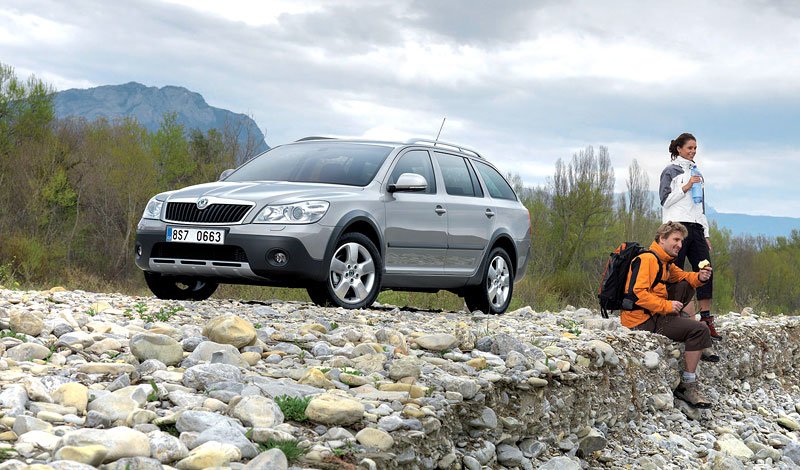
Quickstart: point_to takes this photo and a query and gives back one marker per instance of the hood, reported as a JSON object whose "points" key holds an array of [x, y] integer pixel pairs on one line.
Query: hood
{"points": [[264, 192]]}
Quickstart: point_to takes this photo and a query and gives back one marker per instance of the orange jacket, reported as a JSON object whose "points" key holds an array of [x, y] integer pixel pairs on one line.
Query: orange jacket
{"points": [[653, 298]]}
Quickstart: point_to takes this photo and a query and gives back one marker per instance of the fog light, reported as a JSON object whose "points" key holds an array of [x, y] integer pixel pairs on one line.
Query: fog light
{"points": [[278, 258], [138, 250]]}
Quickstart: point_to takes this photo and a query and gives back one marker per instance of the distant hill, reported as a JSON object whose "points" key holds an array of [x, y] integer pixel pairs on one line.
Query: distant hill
{"points": [[742, 224], [745, 224], [149, 104]]}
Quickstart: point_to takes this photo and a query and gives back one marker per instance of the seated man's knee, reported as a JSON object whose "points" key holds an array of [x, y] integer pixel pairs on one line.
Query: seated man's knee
{"points": [[682, 291]]}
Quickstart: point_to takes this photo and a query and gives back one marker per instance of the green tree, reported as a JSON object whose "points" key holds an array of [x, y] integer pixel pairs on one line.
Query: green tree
{"points": [[26, 110], [635, 206], [174, 166], [34, 189], [583, 195], [211, 154]]}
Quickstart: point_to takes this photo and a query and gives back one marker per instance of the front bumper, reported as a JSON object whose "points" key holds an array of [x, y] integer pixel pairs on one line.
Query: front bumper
{"points": [[248, 255]]}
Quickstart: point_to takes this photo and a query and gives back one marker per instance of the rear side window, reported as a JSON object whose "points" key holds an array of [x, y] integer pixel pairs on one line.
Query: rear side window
{"points": [[495, 183], [459, 179], [415, 161]]}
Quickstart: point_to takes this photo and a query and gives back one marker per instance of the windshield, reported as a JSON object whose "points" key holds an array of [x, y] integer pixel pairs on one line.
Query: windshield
{"points": [[317, 162]]}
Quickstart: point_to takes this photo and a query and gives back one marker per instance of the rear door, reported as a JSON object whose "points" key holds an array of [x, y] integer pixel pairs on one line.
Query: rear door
{"points": [[416, 222], [469, 215]]}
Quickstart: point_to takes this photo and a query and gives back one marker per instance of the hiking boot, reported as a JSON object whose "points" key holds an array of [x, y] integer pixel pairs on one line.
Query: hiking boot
{"points": [[709, 356], [690, 393], [709, 321]]}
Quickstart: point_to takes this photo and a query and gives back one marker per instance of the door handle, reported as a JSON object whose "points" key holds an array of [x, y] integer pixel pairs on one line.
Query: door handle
{"points": [[440, 210], [489, 213]]}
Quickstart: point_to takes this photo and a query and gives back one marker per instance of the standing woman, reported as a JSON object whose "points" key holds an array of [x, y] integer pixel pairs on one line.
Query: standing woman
{"points": [[679, 205]]}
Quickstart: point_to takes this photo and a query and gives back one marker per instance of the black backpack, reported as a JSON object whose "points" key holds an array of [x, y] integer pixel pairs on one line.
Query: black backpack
{"points": [[612, 286]]}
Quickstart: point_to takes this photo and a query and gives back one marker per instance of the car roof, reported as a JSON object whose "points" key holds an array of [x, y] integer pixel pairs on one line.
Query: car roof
{"points": [[415, 141]]}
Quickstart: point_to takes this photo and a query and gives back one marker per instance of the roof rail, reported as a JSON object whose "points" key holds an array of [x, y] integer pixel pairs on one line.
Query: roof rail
{"points": [[315, 137], [439, 143]]}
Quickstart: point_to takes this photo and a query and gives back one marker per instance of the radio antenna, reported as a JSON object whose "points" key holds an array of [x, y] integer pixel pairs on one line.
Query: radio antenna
{"points": [[440, 130]]}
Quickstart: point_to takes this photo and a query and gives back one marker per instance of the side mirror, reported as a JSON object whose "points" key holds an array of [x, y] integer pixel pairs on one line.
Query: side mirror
{"points": [[225, 174], [409, 182]]}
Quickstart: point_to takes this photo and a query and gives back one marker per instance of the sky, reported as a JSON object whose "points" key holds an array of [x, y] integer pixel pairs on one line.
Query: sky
{"points": [[523, 82]]}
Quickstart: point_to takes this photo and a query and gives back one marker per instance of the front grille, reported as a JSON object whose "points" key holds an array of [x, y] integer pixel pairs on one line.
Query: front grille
{"points": [[213, 214], [199, 251]]}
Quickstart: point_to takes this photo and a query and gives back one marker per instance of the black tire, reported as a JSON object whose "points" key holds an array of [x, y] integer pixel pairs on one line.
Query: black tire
{"points": [[354, 274], [493, 294], [170, 288], [319, 294]]}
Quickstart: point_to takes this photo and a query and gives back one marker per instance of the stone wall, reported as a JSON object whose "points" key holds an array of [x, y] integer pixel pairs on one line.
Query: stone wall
{"points": [[197, 384]]}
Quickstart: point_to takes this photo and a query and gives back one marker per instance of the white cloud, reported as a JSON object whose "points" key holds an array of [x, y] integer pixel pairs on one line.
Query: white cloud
{"points": [[538, 82], [250, 12], [23, 28]]}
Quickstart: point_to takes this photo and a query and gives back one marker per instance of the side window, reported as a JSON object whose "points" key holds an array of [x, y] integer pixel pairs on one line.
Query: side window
{"points": [[476, 185], [415, 161], [495, 183], [458, 179]]}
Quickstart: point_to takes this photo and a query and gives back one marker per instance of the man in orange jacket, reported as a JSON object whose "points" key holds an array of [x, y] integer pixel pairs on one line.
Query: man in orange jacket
{"points": [[656, 293]]}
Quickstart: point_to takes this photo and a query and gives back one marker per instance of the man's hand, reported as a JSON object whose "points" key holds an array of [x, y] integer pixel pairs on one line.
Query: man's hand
{"points": [[705, 274], [676, 306]]}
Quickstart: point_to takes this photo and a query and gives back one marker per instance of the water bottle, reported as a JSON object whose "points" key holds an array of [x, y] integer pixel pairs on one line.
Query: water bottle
{"points": [[697, 188]]}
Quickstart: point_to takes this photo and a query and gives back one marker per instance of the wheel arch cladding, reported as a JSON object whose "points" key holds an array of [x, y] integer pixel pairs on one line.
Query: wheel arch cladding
{"points": [[504, 241], [365, 228]]}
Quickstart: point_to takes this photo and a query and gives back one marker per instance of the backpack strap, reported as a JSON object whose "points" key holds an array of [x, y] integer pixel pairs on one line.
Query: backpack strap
{"points": [[659, 278], [656, 281]]}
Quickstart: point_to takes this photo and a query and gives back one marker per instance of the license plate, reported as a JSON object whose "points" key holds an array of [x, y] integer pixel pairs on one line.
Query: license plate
{"points": [[196, 235]]}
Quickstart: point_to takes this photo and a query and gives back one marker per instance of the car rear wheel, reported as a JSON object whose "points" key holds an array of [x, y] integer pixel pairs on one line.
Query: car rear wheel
{"points": [[171, 288], [493, 295], [354, 274]]}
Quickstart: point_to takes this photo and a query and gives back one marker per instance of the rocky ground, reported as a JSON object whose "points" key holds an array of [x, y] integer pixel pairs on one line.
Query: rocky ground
{"points": [[105, 380]]}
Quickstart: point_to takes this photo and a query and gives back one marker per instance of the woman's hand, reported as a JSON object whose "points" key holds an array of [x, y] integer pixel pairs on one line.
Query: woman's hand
{"points": [[694, 179], [710, 248]]}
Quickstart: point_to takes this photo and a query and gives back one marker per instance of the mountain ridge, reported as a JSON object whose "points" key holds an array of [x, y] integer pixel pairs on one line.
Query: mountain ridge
{"points": [[755, 225], [148, 104]]}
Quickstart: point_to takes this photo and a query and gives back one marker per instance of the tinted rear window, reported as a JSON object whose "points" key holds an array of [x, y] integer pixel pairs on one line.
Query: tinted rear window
{"points": [[317, 162], [495, 183]]}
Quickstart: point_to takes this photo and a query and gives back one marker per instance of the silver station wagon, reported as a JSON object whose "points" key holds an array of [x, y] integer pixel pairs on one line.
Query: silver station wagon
{"points": [[343, 219]]}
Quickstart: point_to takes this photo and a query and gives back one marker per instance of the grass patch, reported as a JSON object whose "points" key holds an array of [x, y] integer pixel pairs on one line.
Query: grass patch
{"points": [[346, 453], [139, 308], [169, 429], [8, 275], [290, 449], [163, 314], [7, 454], [153, 396], [236, 291], [13, 334], [293, 408], [441, 300], [572, 326]]}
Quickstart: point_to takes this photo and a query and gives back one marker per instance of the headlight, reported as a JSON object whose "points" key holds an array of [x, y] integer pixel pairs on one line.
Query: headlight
{"points": [[153, 209], [306, 212]]}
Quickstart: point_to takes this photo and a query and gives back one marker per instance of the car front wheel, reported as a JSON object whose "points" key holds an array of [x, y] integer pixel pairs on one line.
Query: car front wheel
{"points": [[170, 288], [493, 295], [354, 274]]}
